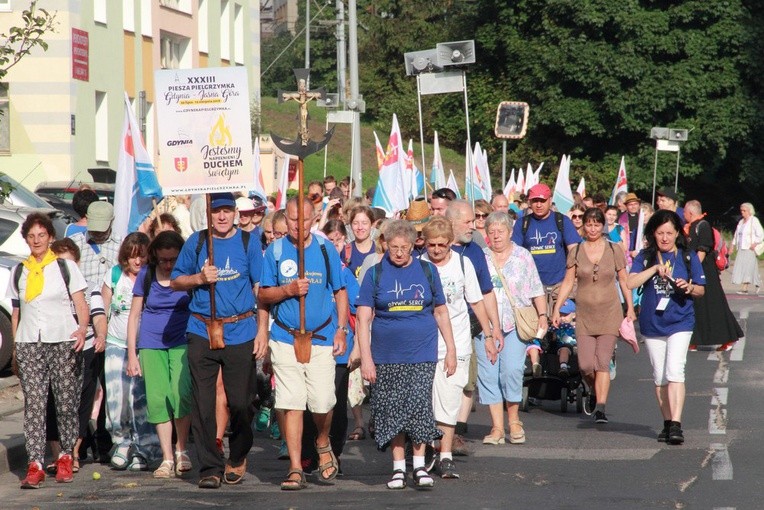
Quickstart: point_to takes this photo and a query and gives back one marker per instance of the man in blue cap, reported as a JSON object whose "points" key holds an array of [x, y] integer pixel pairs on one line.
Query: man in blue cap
{"points": [[236, 273]]}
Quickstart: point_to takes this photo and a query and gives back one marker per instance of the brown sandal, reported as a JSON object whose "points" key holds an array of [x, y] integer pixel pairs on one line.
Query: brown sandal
{"points": [[358, 434], [332, 464], [290, 484]]}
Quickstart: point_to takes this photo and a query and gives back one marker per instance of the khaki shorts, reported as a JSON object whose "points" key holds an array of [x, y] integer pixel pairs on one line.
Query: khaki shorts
{"points": [[447, 391], [303, 385]]}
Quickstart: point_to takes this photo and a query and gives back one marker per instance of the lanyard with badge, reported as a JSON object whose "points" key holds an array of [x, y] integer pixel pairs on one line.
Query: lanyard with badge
{"points": [[665, 300]]}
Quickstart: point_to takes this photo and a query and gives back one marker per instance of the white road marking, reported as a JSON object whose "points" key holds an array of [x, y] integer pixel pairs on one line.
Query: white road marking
{"points": [[722, 374], [717, 421], [737, 350], [720, 397], [569, 453], [721, 464]]}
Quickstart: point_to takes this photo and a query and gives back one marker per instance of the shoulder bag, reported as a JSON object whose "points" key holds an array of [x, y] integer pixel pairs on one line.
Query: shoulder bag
{"points": [[526, 317]]}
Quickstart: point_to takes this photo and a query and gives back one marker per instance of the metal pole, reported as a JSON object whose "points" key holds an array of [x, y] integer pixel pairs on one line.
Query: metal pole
{"points": [[342, 58], [355, 168], [421, 128], [326, 148], [503, 164], [655, 171], [676, 177], [469, 138], [307, 41]]}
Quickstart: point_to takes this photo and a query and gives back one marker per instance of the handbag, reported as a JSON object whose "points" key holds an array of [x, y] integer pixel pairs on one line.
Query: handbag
{"points": [[526, 317]]}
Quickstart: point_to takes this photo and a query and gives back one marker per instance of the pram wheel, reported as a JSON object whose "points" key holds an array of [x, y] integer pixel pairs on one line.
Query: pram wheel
{"points": [[524, 402], [564, 399], [580, 399]]}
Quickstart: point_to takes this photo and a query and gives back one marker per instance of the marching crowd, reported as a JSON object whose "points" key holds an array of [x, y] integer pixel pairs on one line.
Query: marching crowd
{"points": [[128, 347]]}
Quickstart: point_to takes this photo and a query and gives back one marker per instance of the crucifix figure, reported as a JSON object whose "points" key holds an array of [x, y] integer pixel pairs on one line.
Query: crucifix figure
{"points": [[302, 148]]}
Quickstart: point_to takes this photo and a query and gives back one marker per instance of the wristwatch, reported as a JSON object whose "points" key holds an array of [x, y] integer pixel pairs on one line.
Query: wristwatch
{"points": [[345, 329]]}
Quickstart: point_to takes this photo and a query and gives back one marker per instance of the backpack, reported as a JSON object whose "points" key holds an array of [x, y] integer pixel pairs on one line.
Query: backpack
{"points": [[721, 249], [278, 247], [558, 219]]}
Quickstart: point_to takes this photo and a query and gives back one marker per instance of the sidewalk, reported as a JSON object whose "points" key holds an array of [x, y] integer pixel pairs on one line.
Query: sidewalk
{"points": [[13, 454]]}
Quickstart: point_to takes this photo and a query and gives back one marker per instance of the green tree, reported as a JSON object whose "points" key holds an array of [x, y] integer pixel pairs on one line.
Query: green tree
{"points": [[20, 41]]}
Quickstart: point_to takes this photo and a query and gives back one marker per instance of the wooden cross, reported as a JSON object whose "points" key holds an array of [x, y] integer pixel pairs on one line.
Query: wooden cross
{"points": [[303, 96]]}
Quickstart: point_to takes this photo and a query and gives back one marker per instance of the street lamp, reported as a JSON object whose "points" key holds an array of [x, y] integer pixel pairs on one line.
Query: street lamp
{"points": [[667, 140], [440, 71]]}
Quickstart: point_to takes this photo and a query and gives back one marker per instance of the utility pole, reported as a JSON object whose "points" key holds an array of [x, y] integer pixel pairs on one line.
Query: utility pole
{"points": [[307, 39], [355, 169], [342, 59]]}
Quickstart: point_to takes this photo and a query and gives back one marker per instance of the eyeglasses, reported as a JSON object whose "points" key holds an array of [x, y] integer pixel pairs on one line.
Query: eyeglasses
{"points": [[399, 249], [576, 216], [278, 234], [595, 272], [168, 261], [441, 246], [480, 216]]}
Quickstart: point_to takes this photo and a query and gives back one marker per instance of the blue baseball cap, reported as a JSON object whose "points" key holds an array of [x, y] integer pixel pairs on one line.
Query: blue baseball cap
{"points": [[218, 200]]}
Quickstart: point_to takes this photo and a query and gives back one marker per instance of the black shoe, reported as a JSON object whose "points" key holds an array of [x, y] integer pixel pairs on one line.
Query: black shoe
{"points": [[599, 417], [590, 403], [447, 469], [675, 435], [209, 482], [663, 435]]}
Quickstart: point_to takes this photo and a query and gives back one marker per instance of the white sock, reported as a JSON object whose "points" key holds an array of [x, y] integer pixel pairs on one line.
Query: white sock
{"points": [[399, 465], [446, 455], [417, 461]]}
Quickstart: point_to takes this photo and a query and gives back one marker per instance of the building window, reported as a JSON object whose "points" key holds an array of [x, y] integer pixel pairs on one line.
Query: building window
{"points": [[238, 34], [128, 15], [5, 120], [173, 52], [146, 19], [99, 11], [225, 30], [177, 5], [101, 127], [5, 6], [204, 23]]}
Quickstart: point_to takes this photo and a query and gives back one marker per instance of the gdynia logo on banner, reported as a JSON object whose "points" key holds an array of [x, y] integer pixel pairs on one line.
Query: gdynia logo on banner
{"points": [[221, 157]]}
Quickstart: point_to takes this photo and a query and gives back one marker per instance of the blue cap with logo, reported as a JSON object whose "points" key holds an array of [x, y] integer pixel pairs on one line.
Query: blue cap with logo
{"points": [[218, 200]]}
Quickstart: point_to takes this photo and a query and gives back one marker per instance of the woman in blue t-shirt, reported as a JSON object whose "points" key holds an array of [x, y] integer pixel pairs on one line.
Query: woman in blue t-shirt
{"points": [[161, 326], [399, 349], [361, 220], [670, 276]]}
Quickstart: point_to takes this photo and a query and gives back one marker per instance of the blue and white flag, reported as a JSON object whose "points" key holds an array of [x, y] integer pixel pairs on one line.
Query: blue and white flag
{"points": [[438, 173], [563, 195], [136, 182]]}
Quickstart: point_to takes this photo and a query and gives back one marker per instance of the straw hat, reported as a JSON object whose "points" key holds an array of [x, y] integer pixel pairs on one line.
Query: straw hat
{"points": [[418, 214]]}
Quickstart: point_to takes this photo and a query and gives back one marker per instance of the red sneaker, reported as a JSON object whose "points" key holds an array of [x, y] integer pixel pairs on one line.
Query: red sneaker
{"points": [[64, 473], [35, 477]]}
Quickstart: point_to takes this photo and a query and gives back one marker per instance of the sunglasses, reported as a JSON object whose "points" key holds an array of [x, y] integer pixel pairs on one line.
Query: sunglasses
{"points": [[480, 216], [576, 216], [595, 272], [440, 194]]}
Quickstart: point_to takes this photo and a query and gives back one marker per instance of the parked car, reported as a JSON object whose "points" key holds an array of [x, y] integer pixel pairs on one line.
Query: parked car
{"points": [[15, 194], [7, 262], [11, 219], [60, 193]]}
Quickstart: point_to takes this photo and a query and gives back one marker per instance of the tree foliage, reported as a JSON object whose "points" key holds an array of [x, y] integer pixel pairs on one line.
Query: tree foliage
{"points": [[598, 75], [20, 41]]}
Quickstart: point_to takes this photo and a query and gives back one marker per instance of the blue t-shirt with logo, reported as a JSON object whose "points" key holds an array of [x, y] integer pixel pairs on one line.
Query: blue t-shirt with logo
{"points": [[678, 314], [237, 274], [404, 328], [547, 245], [357, 257], [319, 302]]}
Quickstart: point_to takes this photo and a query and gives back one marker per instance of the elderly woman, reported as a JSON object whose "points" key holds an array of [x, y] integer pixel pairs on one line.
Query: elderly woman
{"points": [[401, 308], [482, 210], [49, 341], [670, 276], [748, 235], [598, 265], [500, 374]]}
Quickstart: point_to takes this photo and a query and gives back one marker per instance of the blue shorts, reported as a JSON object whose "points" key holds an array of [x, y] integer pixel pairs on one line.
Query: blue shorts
{"points": [[504, 379]]}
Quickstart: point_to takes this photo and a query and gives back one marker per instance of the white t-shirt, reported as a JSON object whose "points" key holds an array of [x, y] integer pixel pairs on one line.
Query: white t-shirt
{"points": [[119, 310], [460, 288]]}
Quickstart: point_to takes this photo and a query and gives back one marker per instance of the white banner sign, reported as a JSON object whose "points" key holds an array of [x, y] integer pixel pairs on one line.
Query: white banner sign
{"points": [[205, 140]]}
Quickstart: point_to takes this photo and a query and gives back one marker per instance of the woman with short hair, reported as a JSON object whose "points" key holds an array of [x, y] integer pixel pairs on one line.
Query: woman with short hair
{"points": [[501, 365], [748, 235], [401, 308], [48, 345]]}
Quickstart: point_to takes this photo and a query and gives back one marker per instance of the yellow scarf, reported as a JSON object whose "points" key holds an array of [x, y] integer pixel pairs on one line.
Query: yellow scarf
{"points": [[35, 279]]}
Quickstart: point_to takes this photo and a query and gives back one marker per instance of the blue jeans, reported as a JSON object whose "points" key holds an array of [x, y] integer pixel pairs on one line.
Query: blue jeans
{"points": [[502, 381]]}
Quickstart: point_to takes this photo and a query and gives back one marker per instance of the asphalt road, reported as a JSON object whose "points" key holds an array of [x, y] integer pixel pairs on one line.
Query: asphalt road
{"points": [[567, 463]]}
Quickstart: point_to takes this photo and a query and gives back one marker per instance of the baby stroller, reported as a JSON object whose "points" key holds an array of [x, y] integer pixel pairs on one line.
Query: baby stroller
{"points": [[552, 385]]}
